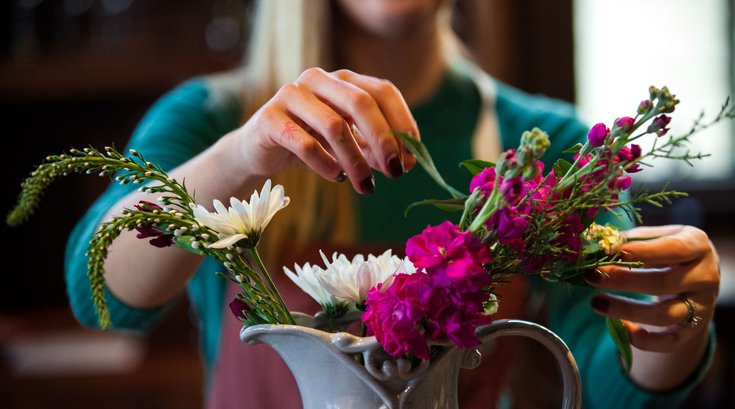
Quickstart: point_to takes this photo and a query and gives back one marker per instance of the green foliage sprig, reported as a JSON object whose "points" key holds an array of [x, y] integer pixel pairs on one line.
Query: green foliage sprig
{"points": [[174, 218]]}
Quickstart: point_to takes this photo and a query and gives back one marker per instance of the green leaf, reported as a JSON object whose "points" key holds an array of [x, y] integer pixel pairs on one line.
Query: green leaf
{"points": [[449, 205], [619, 335], [591, 247], [424, 159], [185, 242], [630, 239], [573, 149], [475, 166], [561, 167]]}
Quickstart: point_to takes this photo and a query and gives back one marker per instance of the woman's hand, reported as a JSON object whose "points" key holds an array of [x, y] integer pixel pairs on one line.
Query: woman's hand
{"points": [[339, 124], [680, 268]]}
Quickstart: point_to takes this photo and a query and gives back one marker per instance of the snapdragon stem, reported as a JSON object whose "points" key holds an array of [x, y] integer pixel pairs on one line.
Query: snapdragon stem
{"points": [[288, 318]]}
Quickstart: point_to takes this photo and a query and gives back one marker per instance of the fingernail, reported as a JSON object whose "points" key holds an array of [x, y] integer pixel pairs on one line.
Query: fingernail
{"points": [[592, 276], [368, 185], [342, 176], [600, 304], [395, 167]]}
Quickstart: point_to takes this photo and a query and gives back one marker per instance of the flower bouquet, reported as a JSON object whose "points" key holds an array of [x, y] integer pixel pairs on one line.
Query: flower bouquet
{"points": [[517, 218]]}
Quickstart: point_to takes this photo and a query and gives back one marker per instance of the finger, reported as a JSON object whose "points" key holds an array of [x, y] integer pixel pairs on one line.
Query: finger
{"points": [[392, 105], [670, 245], [688, 277], [647, 232], [358, 106], [332, 127], [645, 281], [287, 133], [666, 312], [660, 340]]}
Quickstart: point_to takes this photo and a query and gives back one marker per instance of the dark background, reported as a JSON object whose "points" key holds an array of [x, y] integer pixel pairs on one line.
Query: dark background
{"points": [[79, 73]]}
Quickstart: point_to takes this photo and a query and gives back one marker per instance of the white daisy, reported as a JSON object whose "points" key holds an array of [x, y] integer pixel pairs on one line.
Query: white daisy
{"points": [[242, 220], [351, 280], [306, 278]]}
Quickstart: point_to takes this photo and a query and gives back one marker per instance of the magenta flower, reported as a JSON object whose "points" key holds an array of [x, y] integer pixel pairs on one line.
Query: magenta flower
{"points": [[623, 182], [394, 315], [541, 188], [239, 308], [510, 225], [414, 309], [597, 134], [569, 237], [484, 180], [159, 238], [512, 189], [447, 251], [629, 154]]}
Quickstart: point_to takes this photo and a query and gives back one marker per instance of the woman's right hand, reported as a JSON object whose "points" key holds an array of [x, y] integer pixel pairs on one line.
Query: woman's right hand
{"points": [[339, 124]]}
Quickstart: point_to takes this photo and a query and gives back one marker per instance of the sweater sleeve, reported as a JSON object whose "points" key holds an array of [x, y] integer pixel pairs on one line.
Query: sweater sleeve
{"points": [[605, 383], [177, 127]]}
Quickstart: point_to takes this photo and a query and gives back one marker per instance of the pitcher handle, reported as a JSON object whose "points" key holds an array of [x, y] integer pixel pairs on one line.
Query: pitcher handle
{"points": [[570, 373]]}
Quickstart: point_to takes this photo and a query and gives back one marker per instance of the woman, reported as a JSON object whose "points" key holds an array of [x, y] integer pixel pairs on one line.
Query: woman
{"points": [[277, 115]]}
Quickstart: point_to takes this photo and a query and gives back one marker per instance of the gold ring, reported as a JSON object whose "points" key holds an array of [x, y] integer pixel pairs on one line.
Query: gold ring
{"points": [[692, 320]]}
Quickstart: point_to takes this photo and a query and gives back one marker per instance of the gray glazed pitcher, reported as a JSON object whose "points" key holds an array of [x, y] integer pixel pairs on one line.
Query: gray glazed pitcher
{"points": [[344, 371]]}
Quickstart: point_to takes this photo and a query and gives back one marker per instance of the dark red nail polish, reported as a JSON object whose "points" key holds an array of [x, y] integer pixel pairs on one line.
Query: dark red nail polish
{"points": [[395, 167], [368, 185], [342, 176], [600, 304], [592, 276]]}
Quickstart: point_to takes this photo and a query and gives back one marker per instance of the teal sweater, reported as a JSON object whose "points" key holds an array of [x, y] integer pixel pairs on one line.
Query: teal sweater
{"points": [[187, 120]]}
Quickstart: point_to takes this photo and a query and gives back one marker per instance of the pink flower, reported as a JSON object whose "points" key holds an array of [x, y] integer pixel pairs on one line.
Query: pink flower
{"points": [[569, 237], [541, 188], [414, 309], [597, 134], [629, 154], [395, 315], [447, 251], [623, 182], [512, 189], [484, 180], [510, 224]]}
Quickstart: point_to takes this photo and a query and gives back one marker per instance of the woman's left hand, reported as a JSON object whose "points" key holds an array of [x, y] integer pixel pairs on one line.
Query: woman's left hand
{"points": [[681, 268]]}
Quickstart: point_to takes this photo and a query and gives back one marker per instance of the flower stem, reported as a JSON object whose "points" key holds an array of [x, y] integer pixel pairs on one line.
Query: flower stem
{"points": [[288, 318]]}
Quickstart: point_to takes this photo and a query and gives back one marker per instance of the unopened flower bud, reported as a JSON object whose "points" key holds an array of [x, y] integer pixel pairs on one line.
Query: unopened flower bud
{"points": [[508, 161], [531, 172], [537, 140], [597, 134], [490, 306], [653, 92], [645, 107], [239, 308], [658, 125], [625, 124]]}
